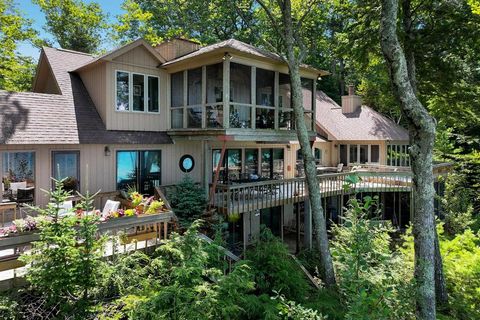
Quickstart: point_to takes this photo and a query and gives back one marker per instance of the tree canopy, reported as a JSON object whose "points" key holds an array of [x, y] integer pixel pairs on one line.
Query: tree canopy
{"points": [[76, 25]]}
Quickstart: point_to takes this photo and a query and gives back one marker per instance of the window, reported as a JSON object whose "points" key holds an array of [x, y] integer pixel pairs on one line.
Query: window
{"points": [[363, 153], [397, 155], [231, 167], [272, 165], [137, 90], [318, 155], [240, 96], [251, 162], [122, 89], [353, 153], [374, 153], [343, 154], [66, 165], [139, 169], [18, 167], [153, 93]]}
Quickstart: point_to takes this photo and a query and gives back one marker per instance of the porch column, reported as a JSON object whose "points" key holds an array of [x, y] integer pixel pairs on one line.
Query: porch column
{"points": [[307, 224]]}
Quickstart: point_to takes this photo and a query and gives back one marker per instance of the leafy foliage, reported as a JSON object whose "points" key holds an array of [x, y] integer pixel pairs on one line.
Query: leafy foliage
{"points": [[373, 280], [457, 205], [461, 262], [16, 70], [75, 24]]}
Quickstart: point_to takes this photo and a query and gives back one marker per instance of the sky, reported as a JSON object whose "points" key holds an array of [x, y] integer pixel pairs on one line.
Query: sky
{"points": [[32, 11]]}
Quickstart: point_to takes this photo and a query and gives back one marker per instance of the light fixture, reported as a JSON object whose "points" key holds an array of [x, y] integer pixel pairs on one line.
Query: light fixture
{"points": [[227, 56], [107, 151]]}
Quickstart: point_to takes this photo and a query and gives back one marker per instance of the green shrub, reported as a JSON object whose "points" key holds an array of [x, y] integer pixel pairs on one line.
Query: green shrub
{"points": [[66, 262], [373, 281], [188, 201], [274, 269]]}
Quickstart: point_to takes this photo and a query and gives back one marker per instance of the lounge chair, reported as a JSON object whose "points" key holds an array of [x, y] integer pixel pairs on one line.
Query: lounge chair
{"points": [[66, 209], [110, 206]]}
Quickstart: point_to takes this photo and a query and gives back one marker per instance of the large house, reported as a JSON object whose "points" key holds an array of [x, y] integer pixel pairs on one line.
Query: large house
{"points": [[142, 116]]}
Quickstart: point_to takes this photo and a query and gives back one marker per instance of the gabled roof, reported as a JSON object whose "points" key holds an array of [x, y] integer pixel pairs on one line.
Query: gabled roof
{"points": [[68, 118], [363, 124], [109, 56], [239, 46]]}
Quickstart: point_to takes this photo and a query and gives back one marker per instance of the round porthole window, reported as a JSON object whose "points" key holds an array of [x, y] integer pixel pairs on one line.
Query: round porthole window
{"points": [[187, 163]]}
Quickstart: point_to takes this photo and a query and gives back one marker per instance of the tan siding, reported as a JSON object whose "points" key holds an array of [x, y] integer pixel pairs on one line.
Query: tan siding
{"points": [[98, 172], [138, 56], [117, 120], [95, 82]]}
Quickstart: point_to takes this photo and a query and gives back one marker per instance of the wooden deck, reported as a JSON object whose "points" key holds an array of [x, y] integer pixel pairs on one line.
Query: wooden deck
{"points": [[245, 197]]}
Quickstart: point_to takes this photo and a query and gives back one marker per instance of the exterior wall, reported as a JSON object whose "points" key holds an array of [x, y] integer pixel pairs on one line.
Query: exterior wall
{"points": [[98, 172], [141, 61], [176, 48], [94, 79]]}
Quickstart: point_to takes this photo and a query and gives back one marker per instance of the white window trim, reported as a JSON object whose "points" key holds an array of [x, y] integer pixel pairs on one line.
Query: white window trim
{"points": [[130, 92]]}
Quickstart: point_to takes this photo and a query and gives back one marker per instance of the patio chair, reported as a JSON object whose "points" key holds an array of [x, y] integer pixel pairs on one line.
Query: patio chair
{"points": [[66, 209], [110, 206], [14, 186], [25, 195]]}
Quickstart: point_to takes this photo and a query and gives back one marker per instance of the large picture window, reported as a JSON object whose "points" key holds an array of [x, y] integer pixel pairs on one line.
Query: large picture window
{"points": [[359, 153], [137, 90], [18, 167], [66, 165], [139, 169]]}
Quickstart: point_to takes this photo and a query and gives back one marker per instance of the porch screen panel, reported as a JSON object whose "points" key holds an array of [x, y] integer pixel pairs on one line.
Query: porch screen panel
{"points": [[214, 87], [240, 83], [194, 111], [177, 103], [122, 88], [176, 89], [265, 81], [138, 92], [214, 83], [286, 119]]}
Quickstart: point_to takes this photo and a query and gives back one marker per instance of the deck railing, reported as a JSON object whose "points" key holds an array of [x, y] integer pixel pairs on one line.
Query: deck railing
{"points": [[245, 197]]}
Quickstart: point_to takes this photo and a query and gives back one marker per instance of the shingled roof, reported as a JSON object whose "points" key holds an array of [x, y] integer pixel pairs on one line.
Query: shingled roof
{"points": [[69, 118], [239, 46], [363, 124]]}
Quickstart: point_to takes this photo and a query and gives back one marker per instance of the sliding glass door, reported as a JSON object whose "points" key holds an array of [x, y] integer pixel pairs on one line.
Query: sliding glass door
{"points": [[66, 165], [139, 169]]}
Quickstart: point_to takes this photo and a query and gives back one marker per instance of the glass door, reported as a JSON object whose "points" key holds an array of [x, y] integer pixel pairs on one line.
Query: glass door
{"points": [[66, 165], [140, 170]]}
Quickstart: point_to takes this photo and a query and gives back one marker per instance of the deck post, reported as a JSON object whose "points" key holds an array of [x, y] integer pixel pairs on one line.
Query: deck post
{"points": [[308, 224]]}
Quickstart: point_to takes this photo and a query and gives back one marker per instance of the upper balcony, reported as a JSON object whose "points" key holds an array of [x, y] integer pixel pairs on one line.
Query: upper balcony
{"points": [[225, 97]]}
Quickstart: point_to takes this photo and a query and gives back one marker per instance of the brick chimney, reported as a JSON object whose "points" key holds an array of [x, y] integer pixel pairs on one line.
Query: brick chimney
{"points": [[176, 47], [351, 102]]}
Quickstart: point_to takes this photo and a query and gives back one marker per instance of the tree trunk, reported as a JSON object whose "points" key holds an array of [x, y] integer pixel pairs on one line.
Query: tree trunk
{"points": [[440, 286], [422, 135], [293, 61]]}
